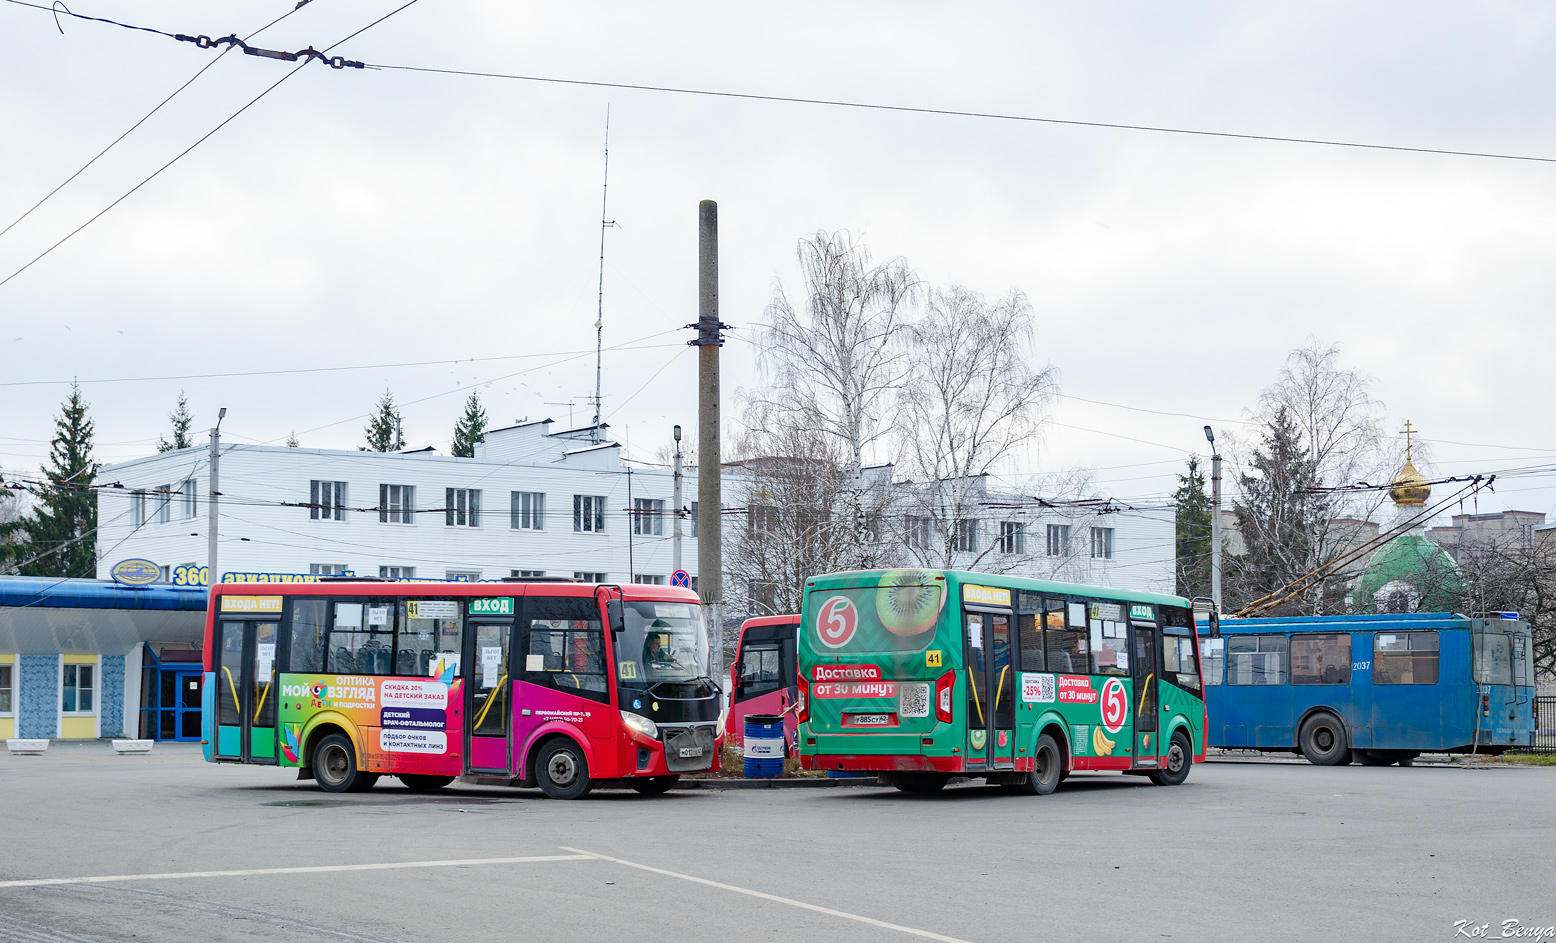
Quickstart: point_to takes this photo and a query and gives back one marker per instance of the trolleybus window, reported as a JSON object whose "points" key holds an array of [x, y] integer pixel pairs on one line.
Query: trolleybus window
{"points": [[1321, 659], [1493, 658], [1404, 658], [1212, 656], [1256, 659]]}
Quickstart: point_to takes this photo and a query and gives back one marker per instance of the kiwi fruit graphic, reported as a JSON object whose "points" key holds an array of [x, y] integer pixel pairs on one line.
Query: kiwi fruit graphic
{"points": [[908, 601]]}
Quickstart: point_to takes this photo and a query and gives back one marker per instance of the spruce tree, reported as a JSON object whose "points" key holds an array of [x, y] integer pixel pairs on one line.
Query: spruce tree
{"points": [[383, 430], [181, 420], [1193, 527], [470, 429], [61, 529], [1278, 516]]}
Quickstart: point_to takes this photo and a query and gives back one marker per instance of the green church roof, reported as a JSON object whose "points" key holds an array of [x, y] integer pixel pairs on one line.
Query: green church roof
{"points": [[1415, 560]]}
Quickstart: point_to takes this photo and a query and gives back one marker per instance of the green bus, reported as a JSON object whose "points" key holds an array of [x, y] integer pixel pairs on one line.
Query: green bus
{"points": [[920, 675]]}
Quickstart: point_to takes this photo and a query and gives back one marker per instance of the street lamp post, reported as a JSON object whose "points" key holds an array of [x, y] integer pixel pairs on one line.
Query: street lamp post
{"points": [[1215, 518], [216, 438]]}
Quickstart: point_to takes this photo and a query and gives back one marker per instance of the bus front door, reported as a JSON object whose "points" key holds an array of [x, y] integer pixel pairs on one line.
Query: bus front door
{"points": [[246, 695], [488, 687], [990, 708], [1144, 642]]}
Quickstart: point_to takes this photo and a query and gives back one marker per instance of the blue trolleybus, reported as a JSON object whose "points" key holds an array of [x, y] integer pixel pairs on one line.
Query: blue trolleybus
{"points": [[1378, 688]]}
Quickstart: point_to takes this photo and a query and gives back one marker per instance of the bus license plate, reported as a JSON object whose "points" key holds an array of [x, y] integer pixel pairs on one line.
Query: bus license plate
{"points": [[691, 751], [872, 720]]}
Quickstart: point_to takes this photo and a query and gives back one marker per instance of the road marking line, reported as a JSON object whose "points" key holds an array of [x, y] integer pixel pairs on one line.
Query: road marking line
{"points": [[316, 869], [772, 897]]}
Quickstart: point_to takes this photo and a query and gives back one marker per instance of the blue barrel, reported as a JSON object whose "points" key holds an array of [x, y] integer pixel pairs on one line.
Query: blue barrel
{"points": [[764, 746]]}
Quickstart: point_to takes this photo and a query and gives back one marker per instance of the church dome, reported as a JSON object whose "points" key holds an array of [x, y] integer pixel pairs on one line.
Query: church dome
{"points": [[1409, 489]]}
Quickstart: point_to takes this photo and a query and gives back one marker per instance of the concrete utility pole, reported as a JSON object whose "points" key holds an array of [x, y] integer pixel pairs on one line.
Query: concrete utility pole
{"points": [[710, 337], [210, 553], [675, 542], [1215, 519]]}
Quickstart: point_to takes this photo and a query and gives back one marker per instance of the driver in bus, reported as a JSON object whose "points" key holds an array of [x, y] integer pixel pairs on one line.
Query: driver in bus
{"points": [[654, 651]]}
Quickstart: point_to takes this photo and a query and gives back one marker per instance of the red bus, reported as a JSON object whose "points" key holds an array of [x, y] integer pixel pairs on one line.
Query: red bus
{"points": [[558, 685], [762, 679]]}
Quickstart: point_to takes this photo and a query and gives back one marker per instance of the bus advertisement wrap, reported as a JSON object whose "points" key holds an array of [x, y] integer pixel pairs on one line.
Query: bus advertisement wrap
{"points": [[407, 724]]}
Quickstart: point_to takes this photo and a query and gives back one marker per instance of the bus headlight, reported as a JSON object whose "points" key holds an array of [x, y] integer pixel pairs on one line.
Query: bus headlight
{"points": [[641, 724]]}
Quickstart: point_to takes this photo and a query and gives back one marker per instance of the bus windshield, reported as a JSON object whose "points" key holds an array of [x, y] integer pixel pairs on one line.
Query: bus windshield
{"points": [[663, 641]]}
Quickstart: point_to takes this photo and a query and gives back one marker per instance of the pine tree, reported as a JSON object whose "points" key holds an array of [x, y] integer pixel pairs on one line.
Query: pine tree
{"points": [[383, 430], [470, 429], [60, 531], [1193, 527], [1278, 515], [181, 420], [291, 440]]}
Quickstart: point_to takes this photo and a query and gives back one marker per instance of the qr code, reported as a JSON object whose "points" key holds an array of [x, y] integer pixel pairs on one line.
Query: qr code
{"points": [[913, 701]]}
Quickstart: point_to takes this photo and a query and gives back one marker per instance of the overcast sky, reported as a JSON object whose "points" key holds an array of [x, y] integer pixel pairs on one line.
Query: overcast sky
{"points": [[378, 217]]}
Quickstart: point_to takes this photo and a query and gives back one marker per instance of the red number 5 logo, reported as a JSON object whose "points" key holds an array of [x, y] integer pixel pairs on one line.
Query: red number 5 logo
{"points": [[836, 621], [1115, 705]]}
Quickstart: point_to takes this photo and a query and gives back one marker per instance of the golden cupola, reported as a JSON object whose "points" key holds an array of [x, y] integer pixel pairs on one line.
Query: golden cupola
{"points": [[1409, 489]]}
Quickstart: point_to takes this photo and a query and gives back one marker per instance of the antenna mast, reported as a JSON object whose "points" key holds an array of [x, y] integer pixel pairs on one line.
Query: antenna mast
{"points": [[599, 321]]}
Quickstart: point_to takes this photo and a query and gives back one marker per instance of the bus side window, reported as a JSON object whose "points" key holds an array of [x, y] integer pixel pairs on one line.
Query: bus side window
{"points": [[1321, 659], [1068, 648], [1030, 631], [1179, 662], [306, 653], [1256, 659]]}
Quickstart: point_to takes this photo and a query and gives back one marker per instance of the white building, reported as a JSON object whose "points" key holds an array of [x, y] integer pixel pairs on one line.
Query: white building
{"points": [[530, 503]]}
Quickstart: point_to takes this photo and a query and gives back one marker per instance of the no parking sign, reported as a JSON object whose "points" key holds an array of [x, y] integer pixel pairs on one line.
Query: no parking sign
{"points": [[681, 578]]}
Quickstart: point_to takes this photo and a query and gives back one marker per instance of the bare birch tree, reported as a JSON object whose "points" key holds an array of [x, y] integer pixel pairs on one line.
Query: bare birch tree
{"points": [[970, 401], [832, 362]]}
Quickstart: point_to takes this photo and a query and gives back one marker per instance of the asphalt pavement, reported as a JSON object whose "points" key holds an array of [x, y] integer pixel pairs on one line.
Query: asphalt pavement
{"points": [[166, 847]]}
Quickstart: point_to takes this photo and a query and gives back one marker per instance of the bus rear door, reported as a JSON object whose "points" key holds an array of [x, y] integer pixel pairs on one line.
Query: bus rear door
{"points": [[246, 693]]}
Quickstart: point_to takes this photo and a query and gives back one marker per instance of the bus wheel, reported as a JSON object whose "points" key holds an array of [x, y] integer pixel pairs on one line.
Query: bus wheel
{"points": [[1047, 768], [1177, 763], [653, 785], [920, 784], [562, 771], [1323, 741], [335, 765], [424, 783]]}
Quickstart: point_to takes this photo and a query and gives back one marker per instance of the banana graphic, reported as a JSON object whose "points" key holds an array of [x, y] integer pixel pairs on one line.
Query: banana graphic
{"points": [[1100, 744]]}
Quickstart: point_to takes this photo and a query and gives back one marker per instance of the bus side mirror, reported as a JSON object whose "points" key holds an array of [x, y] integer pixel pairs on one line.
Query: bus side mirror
{"points": [[613, 612], [1206, 609]]}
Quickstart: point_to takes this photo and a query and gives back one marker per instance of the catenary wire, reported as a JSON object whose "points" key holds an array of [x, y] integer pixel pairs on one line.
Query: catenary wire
{"points": [[203, 138], [143, 120]]}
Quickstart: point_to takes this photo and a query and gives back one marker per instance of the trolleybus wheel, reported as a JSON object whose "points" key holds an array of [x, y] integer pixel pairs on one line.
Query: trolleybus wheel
{"points": [[920, 783], [335, 765], [562, 771], [653, 785], [1047, 768], [1177, 763], [1408, 759], [1375, 758], [1323, 741], [420, 782]]}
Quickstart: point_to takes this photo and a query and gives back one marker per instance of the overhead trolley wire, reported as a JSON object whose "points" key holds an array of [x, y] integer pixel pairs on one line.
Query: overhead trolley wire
{"points": [[203, 138]]}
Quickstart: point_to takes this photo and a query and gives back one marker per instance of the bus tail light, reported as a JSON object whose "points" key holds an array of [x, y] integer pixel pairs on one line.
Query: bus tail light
{"points": [[943, 688], [802, 701]]}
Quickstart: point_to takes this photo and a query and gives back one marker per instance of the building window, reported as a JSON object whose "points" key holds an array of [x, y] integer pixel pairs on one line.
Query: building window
{"points": [[138, 508], [648, 516], [1013, 537], [462, 507], [327, 500], [397, 504], [527, 574], [648, 579], [78, 689], [6, 687], [1058, 540], [164, 500], [587, 576], [967, 535], [694, 518], [764, 595], [529, 510], [1102, 543], [186, 501], [328, 569], [589, 513], [763, 519], [916, 532], [397, 572], [462, 576]]}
